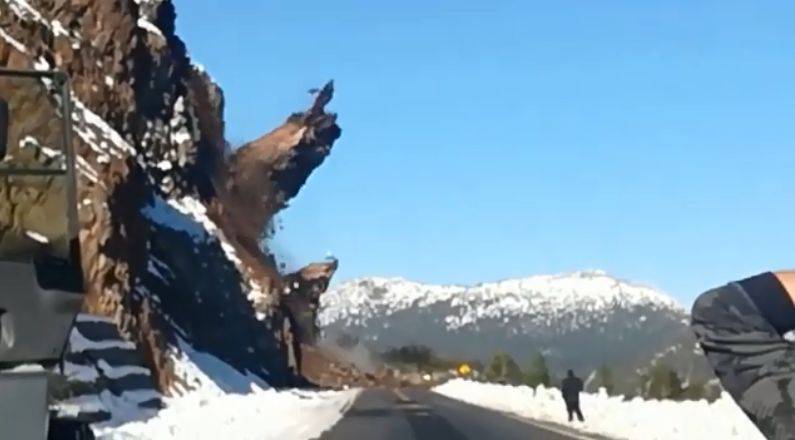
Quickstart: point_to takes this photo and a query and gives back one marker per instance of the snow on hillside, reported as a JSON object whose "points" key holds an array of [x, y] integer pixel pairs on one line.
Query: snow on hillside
{"points": [[188, 215], [264, 414], [216, 401], [211, 399], [594, 292], [612, 416]]}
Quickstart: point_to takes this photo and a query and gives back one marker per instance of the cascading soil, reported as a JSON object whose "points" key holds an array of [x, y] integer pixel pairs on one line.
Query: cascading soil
{"points": [[169, 252]]}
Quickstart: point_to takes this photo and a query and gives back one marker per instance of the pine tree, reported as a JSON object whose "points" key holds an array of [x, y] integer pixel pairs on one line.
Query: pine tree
{"points": [[695, 390], [503, 368], [675, 384], [538, 372], [662, 383], [604, 379], [418, 355]]}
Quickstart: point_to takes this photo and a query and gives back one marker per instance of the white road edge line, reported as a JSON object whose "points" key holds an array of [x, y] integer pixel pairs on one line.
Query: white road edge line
{"points": [[534, 423], [349, 404], [401, 395], [537, 424]]}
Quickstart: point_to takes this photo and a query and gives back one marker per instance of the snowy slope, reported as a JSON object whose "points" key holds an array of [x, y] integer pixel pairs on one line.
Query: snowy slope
{"points": [[614, 417], [211, 398], [582, 319], [215, 401], [266, 414], [106, 376]]}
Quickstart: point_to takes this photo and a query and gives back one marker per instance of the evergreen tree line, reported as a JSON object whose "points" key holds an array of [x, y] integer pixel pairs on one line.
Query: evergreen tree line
{"points": [[658, 382], [504, 369], [423, 359]]}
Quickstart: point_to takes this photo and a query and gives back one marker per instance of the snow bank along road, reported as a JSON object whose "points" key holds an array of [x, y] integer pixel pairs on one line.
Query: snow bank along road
{"points": [[613, 416], [423, 415], [258, 415]]}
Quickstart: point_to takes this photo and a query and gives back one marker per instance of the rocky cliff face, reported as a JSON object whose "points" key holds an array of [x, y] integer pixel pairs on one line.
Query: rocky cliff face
{"points": [[167, 252]]}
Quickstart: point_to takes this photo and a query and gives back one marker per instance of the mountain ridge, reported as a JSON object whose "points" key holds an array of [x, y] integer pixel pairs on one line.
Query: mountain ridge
{"points": [[581, 319], [561, 283], [578, 273]]}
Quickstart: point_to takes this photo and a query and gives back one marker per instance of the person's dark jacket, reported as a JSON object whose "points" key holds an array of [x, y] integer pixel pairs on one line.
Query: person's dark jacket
{"points": [[571, 388], [741, 327]]}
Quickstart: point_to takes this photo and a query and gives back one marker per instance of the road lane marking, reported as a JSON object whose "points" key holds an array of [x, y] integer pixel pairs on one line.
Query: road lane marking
{"points": [[401, 395], [349, 404], [414, 406], [572, 434]]}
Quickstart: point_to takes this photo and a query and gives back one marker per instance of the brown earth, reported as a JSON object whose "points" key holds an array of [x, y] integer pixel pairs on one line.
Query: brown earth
{"points": [[149, 126]]}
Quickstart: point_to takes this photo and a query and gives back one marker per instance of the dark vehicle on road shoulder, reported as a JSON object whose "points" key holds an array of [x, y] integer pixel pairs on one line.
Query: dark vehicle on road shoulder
{"points": [[41, 284]]}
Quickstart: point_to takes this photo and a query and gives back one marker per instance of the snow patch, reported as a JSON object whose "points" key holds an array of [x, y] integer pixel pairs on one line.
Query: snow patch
{"points": [[87, 317], [164, 165], [80, 373], [117, 372], [37, 237], [58, 29], [26, 12], [202, 373], [150, 27], [190, 215], [97, 133], [79, 343], [13, 41]]}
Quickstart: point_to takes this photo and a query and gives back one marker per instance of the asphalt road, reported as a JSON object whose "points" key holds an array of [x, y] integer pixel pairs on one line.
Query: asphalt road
{"points": [[422, 415]]}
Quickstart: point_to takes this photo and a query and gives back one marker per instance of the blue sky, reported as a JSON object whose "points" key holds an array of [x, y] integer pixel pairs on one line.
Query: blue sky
{"points": [[490, 140]]}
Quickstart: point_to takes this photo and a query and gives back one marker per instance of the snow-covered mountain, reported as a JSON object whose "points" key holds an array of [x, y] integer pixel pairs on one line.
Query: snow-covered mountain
{"points": [[579, 320]]}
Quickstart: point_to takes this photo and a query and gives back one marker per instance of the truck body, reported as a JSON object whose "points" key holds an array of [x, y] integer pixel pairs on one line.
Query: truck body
{"points": [[41, 281]]}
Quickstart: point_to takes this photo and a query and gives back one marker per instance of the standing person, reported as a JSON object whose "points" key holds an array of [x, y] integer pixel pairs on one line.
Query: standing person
{"points": [[571, 388], [741, 328]]}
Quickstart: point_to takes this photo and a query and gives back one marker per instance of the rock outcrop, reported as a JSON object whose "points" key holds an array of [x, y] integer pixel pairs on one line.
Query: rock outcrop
{"points": [[301, 297], [264, 174], [171, 221], [300, 303]]}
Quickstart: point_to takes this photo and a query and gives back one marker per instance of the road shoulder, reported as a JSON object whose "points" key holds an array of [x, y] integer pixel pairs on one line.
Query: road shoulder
{"points": [[543, 425]]}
